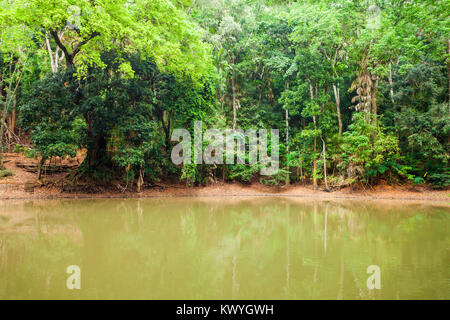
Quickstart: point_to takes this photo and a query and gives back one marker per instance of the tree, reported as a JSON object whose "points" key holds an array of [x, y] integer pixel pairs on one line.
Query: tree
{"points": [[345, 81], [124, 114], [160, 31], [15, 65]]}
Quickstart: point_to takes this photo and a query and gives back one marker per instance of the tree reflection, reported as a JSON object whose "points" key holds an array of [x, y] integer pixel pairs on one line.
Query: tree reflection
{"points": [[276, 248]]}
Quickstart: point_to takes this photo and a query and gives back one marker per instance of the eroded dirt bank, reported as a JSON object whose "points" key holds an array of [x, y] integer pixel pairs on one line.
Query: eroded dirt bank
{"points": [[13, 188]]}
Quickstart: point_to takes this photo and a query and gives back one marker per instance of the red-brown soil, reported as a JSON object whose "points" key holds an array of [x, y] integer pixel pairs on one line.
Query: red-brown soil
{"points": [[13, 188]]}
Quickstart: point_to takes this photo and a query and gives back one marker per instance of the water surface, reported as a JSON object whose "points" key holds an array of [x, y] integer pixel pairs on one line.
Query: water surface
{"points": [[224, 248]]}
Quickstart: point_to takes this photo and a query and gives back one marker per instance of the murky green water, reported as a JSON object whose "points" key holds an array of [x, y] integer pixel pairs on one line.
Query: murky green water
{"points": [[218, 248]]}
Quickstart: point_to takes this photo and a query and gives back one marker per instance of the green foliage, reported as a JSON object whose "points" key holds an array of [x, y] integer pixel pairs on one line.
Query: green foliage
{"points": [[274, 179], [440, 180], [367, 151], [189, 172], [159, 30], [419, 180], [243, 173], [31, 153], [358, 87], [118, 120], [19, 148], [56, 130], [5, 173], [424, 136]]}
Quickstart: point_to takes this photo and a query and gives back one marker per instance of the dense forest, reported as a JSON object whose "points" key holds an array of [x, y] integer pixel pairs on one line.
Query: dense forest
{"points": [[360, 90]]}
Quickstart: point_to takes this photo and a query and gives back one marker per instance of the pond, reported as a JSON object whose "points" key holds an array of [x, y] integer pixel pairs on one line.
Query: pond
{"points": [[224, 248]]}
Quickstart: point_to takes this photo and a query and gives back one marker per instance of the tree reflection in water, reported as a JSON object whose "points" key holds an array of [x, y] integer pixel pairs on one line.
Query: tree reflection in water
{"points": [[222, 248]]}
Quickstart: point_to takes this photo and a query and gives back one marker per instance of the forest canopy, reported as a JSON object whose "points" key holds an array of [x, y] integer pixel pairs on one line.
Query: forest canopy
{"points": [[360, 90]]}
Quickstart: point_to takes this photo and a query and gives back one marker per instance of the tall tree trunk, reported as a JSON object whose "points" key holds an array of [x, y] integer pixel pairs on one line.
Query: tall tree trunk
{"points": [[1, 139], [261, 87], [337, 98], [374, 99], [324, 164], [287, 148], [287, 142], [448, 72], [140, 181], [166, 129], [315, 160], [301, 170], [391, 86], [12, 123], [311, 92], [13, 116], [260, 95], [96, 156], [233, 86], [3, 96], [53, 60]]}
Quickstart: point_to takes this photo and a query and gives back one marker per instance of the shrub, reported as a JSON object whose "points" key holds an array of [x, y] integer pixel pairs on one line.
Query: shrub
{"points": [[5, 173]]}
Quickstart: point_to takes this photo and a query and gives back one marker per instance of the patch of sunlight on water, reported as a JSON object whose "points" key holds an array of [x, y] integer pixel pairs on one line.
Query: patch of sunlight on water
{"points": [[224, 248]]}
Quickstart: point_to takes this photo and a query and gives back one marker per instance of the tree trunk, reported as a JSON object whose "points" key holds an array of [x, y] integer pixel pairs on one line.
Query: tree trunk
{"points": [[374, 99], [391, 86], [315, 141], [9, 134], [448, 72], [287, 142], [2, 128], [140, 181], [233, 86], [260, 95], [41, 163], [53, 60], [315, 160], [324, 164], [337, 98], [287, 148], [97, 158], [301, 170], [96, 154], [12, 124], [1, 145], [13, 116], [166, 129]]}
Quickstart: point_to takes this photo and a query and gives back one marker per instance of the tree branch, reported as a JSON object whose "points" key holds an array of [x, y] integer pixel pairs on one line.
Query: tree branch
{"points": [[70, 57], [82, 43]]}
